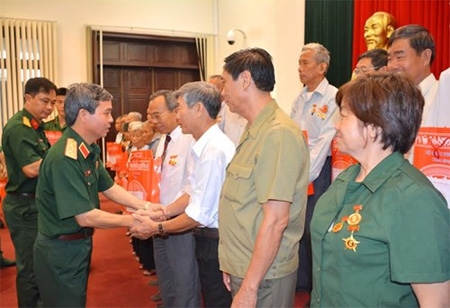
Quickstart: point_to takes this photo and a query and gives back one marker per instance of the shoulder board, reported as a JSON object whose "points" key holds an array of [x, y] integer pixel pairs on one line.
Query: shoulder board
{"points": [[71, 148], [26, 121]]}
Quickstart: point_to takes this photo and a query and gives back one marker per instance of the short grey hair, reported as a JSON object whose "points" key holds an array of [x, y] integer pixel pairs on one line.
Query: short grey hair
{"points": [[171, 102], [135, 125], [203, 92], [322, 55], [83, 96], [135, 116]]}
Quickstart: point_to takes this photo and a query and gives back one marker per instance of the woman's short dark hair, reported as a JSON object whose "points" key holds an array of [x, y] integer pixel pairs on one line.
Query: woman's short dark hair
{"points": [[255, 60], [390, 101]]}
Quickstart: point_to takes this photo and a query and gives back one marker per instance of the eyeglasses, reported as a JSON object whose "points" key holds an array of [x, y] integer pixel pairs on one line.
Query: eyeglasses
{"points": [[364, 70], [157, 116]]}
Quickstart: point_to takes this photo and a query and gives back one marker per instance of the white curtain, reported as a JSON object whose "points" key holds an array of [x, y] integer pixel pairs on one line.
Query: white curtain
{"points": [[27, 50], [206, 55]]}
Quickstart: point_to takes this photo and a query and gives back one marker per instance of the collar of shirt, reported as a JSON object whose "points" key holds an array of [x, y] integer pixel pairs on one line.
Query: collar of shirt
{"points": [[32, 119], [264, 116], [380, 174], [200, 144], [427, 84], [175, 134], [321, 89]]}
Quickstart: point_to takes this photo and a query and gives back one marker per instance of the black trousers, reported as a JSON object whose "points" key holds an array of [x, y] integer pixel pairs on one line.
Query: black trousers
{"points": [[215, 294], [304, 272]]}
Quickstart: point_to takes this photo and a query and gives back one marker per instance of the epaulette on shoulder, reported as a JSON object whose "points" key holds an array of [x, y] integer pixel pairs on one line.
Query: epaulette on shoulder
{"points": [[71, 148], [26, 121]]}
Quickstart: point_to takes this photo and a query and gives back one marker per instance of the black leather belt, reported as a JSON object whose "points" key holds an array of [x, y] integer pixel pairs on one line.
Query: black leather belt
{"points": [[85, 233], [212, 233], [23, 194]]}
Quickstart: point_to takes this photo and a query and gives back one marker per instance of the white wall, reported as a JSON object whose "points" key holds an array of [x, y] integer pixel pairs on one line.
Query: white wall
{"points": [[275, 25]]}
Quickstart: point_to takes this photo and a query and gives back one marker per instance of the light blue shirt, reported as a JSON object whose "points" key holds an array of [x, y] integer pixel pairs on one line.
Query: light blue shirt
{"points": [[316, 113]]}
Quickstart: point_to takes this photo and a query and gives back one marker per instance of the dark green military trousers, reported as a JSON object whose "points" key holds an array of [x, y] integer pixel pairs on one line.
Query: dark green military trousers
{"points": [[62, 270], [21, 217]]}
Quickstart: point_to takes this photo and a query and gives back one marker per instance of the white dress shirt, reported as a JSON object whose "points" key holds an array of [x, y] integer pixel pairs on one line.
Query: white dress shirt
{"points": [[308, 112], [210, 155], [429, 87], [442, 104], [232, 124], [174, 167]]}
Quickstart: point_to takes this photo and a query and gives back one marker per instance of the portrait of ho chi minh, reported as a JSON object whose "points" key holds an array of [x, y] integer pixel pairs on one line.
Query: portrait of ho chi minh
{"points": [[378, 29]]}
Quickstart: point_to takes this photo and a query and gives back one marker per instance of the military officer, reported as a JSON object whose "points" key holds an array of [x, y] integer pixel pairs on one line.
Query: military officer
{"points": [[68, 201], [24, 144]]}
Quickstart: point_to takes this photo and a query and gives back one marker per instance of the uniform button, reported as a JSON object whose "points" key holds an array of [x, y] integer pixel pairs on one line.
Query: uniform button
{"points": [[318, 269]]}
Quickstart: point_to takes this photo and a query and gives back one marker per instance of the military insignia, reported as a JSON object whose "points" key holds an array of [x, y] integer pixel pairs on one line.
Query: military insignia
{"points": [[84, 150], [35, 124], [173, 160], [71, 148], [26, 121], [321, 112], [353, 226], [350, 243], [337, 227]]}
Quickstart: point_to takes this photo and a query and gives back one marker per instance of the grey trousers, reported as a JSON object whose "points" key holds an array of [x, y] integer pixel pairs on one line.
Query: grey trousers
{"points": [[177, 271]]}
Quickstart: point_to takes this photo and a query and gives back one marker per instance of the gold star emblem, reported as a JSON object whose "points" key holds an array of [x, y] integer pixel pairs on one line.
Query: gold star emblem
{"points": [[351, 243]]}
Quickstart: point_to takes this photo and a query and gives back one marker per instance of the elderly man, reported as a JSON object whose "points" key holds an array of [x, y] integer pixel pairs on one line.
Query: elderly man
{"points": [[199, 104], [25, 144], [178, 279], [263, 198], [315, 112], [371, 61], [412, 51]]}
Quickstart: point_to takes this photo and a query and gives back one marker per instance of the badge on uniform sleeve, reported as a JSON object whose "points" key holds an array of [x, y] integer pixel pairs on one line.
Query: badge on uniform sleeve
{"points": [[71, 148]]}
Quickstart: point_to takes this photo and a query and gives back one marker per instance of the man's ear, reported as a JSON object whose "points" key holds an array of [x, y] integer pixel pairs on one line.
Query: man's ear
{"points": [[28, 97], [82, 113], [426, 56], [323, 68], [199, 109], [245, 78]]}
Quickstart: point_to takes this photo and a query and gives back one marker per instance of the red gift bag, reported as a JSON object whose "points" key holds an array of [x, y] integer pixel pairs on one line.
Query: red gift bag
{"points": [[432, 157], [113, 150], [144, 175], [339, 160], [53, 136]]}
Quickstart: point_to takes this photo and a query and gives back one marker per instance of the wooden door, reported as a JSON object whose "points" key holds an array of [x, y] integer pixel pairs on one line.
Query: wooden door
{"points": [[135, 66]]}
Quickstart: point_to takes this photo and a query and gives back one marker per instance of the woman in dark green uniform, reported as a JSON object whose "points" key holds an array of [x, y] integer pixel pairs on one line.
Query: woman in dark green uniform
{"points": [[380, 234]]}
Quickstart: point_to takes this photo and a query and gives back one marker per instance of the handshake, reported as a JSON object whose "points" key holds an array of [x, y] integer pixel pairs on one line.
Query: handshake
{"points": [[145, 221]]}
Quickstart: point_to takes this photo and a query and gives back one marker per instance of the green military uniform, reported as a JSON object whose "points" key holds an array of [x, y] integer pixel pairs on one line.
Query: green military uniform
{"points": [[271, 162], [54, 125], [71, 176], [23, 143], [372, 239]]}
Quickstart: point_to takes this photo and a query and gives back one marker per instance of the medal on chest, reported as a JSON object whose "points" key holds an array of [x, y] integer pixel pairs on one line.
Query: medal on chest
{"points": [[353, 222]]}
